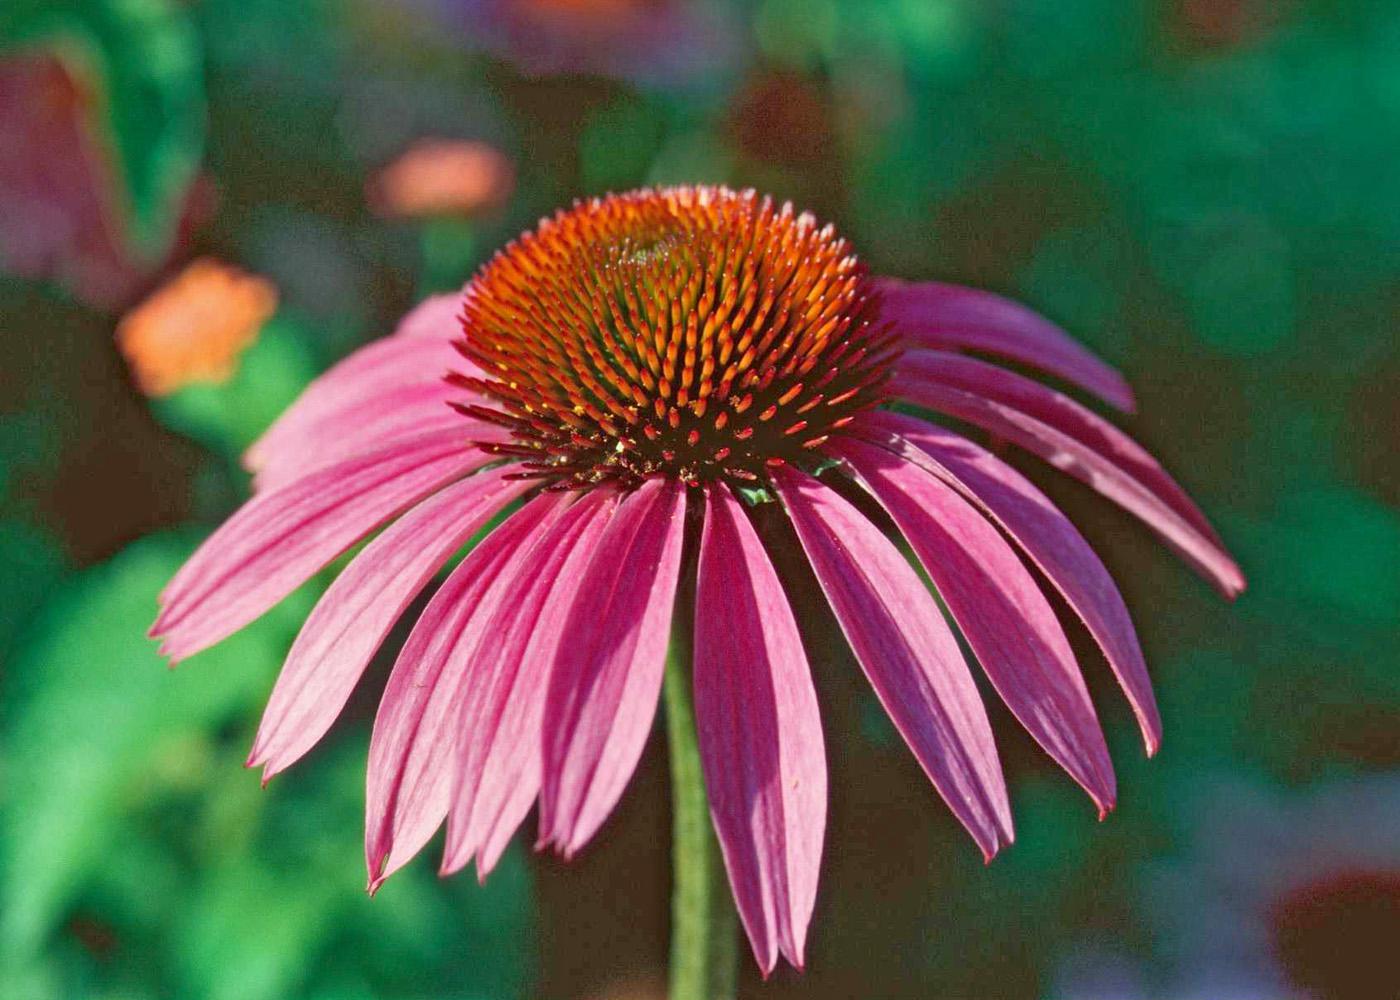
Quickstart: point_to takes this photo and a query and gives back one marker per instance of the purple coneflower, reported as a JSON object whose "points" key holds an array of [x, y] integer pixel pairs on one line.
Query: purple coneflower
{"points": [[635, 374]]}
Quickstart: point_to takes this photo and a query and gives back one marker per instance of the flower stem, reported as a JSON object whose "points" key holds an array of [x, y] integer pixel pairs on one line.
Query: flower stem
{"points": [[703, 926]]}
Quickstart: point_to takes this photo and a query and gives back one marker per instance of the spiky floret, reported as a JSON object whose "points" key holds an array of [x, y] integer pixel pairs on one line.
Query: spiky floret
{"points": [[692, 331]]}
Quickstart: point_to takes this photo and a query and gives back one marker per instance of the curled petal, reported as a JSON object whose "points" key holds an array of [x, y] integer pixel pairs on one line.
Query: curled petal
{"points": [[389, 387], [908, 652], [1075, 441], [999, 608], [438, 317], [760, 734], [381, 424], [935, 315]]}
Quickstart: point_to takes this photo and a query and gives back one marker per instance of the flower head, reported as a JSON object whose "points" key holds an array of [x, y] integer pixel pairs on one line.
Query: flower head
{"points": [[636, 359], [689, 333], [193, 328]]}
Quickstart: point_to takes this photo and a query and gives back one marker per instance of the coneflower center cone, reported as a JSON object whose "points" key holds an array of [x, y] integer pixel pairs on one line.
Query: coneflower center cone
{"points": [[692, 332]]}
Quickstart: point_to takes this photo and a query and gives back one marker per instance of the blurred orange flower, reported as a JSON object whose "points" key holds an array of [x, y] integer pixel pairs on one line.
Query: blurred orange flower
{"points": [[443, 177], [193, 328]]}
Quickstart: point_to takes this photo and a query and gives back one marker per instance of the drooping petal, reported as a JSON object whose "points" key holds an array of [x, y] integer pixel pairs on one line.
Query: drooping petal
{"points": [[936, 315], [371, 426], [607, 678], [999, 608], [382, 366], [278, 539], [1051, 540], [760, 734], [357, 611], [1075, 441], [388, 385], [412, 749], [499, 759], [908, 652], [1062, 413]]}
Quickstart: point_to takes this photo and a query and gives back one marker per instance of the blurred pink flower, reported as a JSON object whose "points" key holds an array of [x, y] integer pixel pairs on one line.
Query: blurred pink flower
{"points": [[660, 41], [60, 204], [1277, 892], [636, 372]]}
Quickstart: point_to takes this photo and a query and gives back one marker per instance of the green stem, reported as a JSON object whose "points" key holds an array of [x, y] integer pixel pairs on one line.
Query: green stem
{"points": [[703, 926]]}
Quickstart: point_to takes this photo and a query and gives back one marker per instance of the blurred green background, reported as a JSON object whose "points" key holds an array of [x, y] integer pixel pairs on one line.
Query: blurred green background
{"points": [[1203, 191]]}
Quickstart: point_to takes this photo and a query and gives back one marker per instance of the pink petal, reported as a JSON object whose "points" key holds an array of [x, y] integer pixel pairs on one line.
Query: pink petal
{"points": [[607, 679], [1075, 441], [395, 377], [760, 734], [383, 365], [438, 317], [1043, 532], [999, 608], [499, 760], [932, 314], [412, 750], [278, 539], [908, 652], [359, 608], [370, 426], [1059, 411]]}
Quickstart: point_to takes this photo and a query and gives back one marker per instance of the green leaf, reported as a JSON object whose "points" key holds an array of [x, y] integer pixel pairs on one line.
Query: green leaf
{"points": [[126, 810], [97, 723]]}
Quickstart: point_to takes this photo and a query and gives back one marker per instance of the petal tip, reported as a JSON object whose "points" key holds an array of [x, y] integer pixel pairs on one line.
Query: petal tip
{"points": [[1151, 742], [1228, 579], [1121, 396], [1004, 840], [270, 768], [795, 953], [377, 880], [481, 872]]}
